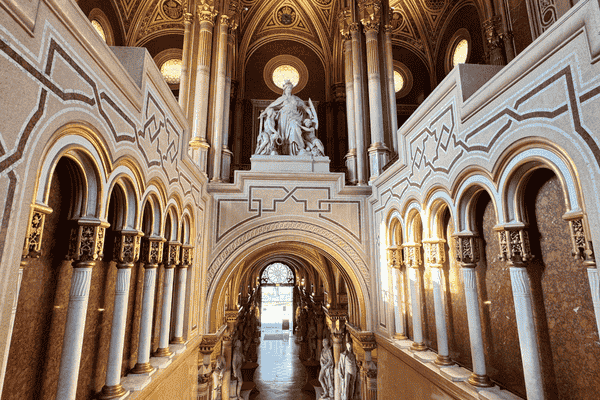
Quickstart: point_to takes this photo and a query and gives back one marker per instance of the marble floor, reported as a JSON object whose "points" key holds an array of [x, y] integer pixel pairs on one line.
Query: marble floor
{"points": [[280, 374]]}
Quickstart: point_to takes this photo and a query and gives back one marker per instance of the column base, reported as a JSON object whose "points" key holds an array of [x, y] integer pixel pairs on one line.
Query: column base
{"points": [[198, 150], [351, 166], [400, 336], [226, 158], [163, 352], [177, 340], [142, 368], [443, 360], [480, 380], [378, 158], [418, 347], [112, 392]]}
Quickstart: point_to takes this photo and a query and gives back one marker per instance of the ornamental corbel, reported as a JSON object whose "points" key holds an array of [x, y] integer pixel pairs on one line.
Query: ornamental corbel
{"points": [[434, 252], [582, 245], [412, 254], [171, 254], [187, 255], [32, 248], [392, 256]]}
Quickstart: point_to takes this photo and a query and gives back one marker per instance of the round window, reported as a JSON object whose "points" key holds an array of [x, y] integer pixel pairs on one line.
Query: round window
{"points": [[285, 73], [461, 50], [458, 50], [398, 81], [98, 27], [171, 70]]}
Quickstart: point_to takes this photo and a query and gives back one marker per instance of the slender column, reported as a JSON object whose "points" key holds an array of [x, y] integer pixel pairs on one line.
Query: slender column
{"points": [[361, 179], [85, 248], [337, 345], [434, 259], [171, 256], [582, 250], [227, 374], [198, 145], [151, 256], [412, 257], [467, 253], [514, 249], [220, 98], [186, 260], [184, 86], [494, 41], [227, 154], [394, 259], [206, 348], [378, 152], [506, 35], [127, 251], [239, 131], [345, 18], [389, 63]]}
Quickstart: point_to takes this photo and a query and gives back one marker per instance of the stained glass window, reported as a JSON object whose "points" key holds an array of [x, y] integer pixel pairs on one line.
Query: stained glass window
{"points": [[460, 52], [398, 81], [283, 73], [171, 70], [277, 273], [98, 27]]}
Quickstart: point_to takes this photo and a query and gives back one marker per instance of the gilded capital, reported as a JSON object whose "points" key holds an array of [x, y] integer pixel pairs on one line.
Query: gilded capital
{"points": [[127, 246], [345, 21], [514, 245], [206, 12], [354, 27], [32, 247], [370, 14], [87, 240], [152, 250], [467, 249], [188, 18]]}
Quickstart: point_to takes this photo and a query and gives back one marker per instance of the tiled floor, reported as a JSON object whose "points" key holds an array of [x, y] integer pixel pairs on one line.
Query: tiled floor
{"points": [[280, 374]]}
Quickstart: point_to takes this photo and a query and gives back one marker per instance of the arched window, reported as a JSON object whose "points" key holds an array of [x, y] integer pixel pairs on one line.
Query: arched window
{"points": [[459, 49], [277, 274], [102, 25], [403, 79]]}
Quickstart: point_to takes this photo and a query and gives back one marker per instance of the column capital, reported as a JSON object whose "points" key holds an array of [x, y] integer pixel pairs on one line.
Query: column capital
{"points": [[370, 14], [412, 255], [171, 254], [514, 244], [224, 19], [127, 247], [365, 339], [467, 249], [435, 255], [187, 255], [188, 18], [345, 20], [582, 244], [206, 12], [32, 248], [152, 250], [387, 29], [86, 242], [394, 254], [354, 27]]}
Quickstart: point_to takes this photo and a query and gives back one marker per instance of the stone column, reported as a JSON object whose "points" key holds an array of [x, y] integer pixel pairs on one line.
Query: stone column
{"points": [[184, 86], [227, 375], [127, 251], [345, 18], [378, 153], [412, 259], [337, 339], [151, 253], [394, 259], [198, 145], [218, 113], [227, 154], [85, 248], [434, 259], [514, 249], [171, 257], [361, 177], [467, 253], [206, 348], [239, 130], [582, 250], [389, 63], [186, 260]]}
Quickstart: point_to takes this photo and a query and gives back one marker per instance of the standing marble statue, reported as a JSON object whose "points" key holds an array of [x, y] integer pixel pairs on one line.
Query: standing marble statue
{"points": [[236, 368], [217, 376], [326, 373], [288, 126], [347, 372]]}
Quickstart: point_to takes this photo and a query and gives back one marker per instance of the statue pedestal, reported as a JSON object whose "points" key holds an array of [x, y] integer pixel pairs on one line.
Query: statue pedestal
{"points": [[290, 164], [312, 374]]}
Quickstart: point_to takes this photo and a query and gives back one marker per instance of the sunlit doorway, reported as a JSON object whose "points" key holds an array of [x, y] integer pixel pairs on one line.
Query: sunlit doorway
{"points": [[277, 302]]}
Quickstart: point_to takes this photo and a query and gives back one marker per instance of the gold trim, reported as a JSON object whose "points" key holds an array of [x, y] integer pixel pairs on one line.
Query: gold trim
{"points": [[418, 347], [111, 392], [163, 352], [142, 368], [480, 380]]}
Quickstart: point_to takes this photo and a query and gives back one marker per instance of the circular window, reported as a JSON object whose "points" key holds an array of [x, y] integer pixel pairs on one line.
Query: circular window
{"points": [[459, 49], [98, 27], [171, 70], [277, 274], [282, 68], [285, 73], [102, 25], [403, 79]]}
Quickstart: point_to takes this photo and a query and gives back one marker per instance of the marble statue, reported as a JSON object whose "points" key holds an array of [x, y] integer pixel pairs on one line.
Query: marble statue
{"points": [[347, 372], [288, 127], [236, 368], [217, 376], [312, 339], [326, 373]]}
